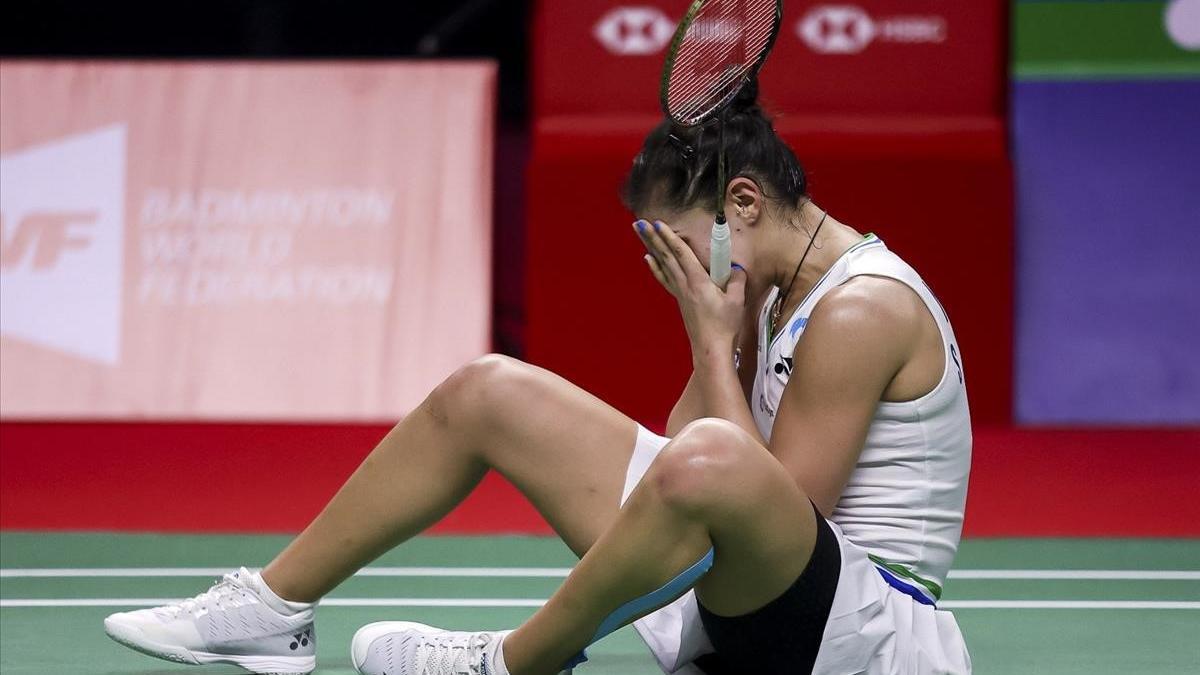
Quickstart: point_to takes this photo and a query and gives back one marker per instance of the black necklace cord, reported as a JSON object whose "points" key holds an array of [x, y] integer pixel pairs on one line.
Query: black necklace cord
{"points": [[781, 299]]}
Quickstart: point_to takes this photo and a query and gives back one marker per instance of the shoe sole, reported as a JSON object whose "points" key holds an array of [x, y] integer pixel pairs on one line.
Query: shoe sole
{"points": [[261, 665]]}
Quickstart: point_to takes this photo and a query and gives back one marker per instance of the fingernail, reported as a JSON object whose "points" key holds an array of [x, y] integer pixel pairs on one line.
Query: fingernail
{"points": [[657, 226], [641, 225], [737, 267]]}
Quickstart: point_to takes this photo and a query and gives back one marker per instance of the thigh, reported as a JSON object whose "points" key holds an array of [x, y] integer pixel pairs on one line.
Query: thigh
{"points": [[564, 449]]}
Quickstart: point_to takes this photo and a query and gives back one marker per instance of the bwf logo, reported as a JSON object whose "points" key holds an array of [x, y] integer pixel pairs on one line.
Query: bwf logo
{"points": [[847, 29], [61, 242], [634, 31], [41, 238]]}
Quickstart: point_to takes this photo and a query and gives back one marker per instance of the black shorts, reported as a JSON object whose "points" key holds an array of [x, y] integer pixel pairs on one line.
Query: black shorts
{"points": [[784, 635]]}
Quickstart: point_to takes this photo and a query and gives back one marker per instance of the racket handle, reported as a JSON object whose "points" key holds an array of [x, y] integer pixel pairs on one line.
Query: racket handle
{"points": [[719, 254]]}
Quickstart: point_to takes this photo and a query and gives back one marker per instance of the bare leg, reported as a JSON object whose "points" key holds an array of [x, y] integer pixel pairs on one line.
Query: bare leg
{"points": [[713, 486], [563, 448]]}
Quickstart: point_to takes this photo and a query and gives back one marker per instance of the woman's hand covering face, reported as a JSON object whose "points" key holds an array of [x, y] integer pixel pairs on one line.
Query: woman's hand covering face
{"points": [[712, 317]]}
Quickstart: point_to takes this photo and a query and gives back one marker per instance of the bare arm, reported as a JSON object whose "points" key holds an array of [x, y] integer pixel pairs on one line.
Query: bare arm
{"points": [[687, 409], [722, 391], [693, 404], [857, 339]]}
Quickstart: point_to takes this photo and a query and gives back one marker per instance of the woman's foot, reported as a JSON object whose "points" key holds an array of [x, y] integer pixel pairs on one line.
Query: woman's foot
{"points": [[408, 648], [239, 621]]}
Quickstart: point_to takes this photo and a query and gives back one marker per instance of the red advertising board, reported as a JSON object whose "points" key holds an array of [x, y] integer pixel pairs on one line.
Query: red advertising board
{"points": [[863, 56]]}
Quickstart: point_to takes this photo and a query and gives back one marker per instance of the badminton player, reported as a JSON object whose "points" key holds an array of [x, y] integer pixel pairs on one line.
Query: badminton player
{"points": [[800, 516]]}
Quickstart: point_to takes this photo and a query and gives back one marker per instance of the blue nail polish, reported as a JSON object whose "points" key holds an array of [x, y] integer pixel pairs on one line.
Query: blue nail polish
{"points": [[641, 225], [737, 267], [657, 226]]}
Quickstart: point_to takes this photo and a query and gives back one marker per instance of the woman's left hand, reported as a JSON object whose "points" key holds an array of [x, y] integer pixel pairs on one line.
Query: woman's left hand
{"points": [[712, 317]]}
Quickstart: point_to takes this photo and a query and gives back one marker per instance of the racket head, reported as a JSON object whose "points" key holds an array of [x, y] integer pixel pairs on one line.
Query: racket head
{"points": [[717, 47]]}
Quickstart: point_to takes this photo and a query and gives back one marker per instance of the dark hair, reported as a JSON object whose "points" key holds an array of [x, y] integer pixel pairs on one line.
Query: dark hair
{"points": [[677, 166]]}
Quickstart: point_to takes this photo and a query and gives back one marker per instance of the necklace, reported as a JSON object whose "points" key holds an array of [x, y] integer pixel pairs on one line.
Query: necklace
{"points": [[781, 299]]}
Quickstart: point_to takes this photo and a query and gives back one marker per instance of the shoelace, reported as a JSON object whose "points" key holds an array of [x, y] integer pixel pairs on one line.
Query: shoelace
{"points": [[455, 654], [225, 588]]}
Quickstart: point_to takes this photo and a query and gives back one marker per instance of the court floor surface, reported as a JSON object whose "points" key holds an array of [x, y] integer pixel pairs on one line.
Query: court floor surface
{"points": [[1060, 606]]}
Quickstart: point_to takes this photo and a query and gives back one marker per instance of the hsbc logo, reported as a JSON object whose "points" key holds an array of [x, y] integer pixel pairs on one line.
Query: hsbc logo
{"points": [[634, 31], [62, 215], [848, 29]]}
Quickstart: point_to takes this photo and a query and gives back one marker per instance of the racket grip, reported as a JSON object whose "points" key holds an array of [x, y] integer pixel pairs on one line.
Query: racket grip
{"points": [[719, 254]]}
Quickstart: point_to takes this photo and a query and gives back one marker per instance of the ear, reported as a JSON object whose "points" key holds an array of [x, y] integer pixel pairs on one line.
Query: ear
{"points": [[743, 201]]}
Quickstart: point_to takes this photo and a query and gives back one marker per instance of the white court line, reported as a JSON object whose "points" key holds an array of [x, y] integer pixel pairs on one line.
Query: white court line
{"points": [[1066, 604], [534, 602], [1154, 575], [89, 572], [328, 602], [560, 572]]}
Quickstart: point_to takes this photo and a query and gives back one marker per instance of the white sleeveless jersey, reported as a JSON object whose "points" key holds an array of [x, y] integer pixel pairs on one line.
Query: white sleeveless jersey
{"points": [[905, 498]]}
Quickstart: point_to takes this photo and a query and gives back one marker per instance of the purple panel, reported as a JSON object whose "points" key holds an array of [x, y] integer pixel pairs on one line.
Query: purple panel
{"points": [[1108, 276]]}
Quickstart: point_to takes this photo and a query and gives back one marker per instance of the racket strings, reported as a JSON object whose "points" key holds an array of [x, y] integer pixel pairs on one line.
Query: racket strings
{"points": [[722, 46]]}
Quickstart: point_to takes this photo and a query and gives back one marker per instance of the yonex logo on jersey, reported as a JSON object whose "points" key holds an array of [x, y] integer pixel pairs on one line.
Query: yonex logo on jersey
{"points": [[849, 29], [634, 31], [62, 221]]}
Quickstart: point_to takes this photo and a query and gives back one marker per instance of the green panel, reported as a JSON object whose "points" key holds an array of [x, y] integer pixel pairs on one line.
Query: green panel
{"points": [[1096, 40]]}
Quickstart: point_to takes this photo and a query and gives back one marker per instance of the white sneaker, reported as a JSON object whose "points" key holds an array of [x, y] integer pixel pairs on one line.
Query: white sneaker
{"points": [[229, 623], [406, 648]]}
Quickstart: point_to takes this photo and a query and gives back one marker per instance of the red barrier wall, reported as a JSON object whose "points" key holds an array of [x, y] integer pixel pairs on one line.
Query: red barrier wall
{"points": [[275, 478]]}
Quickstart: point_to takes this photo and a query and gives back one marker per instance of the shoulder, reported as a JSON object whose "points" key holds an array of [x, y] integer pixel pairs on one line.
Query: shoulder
{"points": [[872, 312]]}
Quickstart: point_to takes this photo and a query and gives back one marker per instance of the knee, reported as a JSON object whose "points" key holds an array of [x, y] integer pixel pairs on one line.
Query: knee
{"points": [[693, 473], [476, 387]]}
